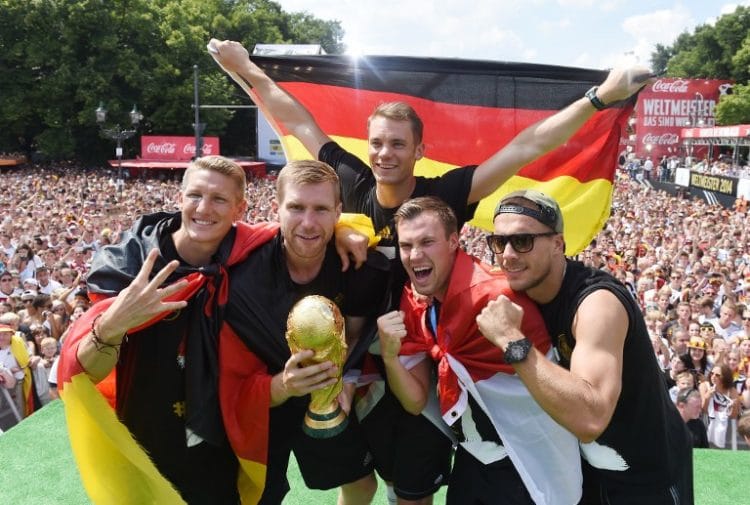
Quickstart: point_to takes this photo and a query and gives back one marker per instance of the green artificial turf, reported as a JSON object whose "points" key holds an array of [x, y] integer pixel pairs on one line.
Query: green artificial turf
{"points": [[38, 469], [37, 464]]}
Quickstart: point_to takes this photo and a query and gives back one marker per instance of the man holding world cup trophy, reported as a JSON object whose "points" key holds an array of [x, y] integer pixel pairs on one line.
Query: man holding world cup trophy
{"points": [[284, 304]]}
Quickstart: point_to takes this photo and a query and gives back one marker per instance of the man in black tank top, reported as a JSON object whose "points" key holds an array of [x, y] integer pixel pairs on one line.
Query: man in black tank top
{"points": [[608, 390]]}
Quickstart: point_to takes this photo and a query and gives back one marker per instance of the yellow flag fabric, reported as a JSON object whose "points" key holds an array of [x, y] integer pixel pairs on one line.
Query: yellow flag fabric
{"points": [[113, 467], [21, 354], [360, 223]]}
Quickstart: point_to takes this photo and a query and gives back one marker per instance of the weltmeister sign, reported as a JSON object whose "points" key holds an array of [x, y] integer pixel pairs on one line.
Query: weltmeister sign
{"points": [[667, 106], [715, 183]]}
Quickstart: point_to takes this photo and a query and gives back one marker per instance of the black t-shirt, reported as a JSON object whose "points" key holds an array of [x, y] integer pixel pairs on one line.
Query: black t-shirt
{"points": [[358, 195], [260, 297], [646, 430], [151, 403], [262, 293]]}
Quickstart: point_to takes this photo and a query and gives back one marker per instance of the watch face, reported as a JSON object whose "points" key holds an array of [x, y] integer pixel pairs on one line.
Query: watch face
{"points": [[517, 351]]}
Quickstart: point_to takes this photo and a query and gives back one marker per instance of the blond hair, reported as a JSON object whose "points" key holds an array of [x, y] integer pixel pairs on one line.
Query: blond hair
{"points": [[399, 111], [302, 172], [47, 341], [221, 165]]}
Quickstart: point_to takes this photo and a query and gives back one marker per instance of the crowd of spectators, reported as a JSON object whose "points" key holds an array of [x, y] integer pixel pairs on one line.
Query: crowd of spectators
{"points": [[688, 265], [723, 166], [664, 169], [686, 262]]}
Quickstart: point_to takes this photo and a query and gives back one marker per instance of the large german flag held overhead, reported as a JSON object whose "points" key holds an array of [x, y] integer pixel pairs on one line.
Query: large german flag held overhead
{"points": [[470, 109]]}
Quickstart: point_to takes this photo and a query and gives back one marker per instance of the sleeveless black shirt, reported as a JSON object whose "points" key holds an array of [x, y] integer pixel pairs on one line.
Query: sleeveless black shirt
{"points": [[645, 439]]}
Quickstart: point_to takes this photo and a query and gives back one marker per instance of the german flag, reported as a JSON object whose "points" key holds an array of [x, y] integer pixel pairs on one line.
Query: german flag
{"points": [[113, 467], [470, 109]]}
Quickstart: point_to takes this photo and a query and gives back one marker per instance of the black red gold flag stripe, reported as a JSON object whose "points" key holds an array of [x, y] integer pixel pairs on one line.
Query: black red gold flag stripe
{"points": [[470, 110]]}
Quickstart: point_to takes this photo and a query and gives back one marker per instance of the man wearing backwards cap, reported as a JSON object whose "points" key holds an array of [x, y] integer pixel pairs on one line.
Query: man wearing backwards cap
{"points": [[607, 383]]}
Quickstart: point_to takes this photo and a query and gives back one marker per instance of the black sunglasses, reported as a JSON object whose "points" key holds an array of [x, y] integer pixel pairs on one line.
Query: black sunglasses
{"points": [[520, 242]]}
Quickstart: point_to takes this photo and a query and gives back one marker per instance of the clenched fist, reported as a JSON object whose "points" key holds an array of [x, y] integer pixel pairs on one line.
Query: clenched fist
{"points": [[391, 330], [500, 321]]}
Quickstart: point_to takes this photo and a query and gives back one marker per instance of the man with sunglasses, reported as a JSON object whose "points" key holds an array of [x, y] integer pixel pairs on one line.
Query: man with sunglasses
{"points": [[745, 324], [509, 450], [606, 387]]}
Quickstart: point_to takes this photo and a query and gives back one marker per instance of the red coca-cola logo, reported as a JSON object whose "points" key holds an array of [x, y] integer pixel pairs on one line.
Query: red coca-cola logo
{"points": [[163, 148], [676, 86], [665, 139], [189, 149], [175, 148]]}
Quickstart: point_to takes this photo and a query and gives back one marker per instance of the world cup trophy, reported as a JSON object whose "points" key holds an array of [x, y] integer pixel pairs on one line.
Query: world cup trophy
{"points": [[315, 323]]}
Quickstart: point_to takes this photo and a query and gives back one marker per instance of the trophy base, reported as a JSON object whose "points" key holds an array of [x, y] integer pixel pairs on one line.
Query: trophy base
{"points": [[325, 424]]}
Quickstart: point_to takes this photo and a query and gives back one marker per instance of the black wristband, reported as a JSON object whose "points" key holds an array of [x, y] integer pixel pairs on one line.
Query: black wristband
{"points": [[99, 344], [591, 95]]}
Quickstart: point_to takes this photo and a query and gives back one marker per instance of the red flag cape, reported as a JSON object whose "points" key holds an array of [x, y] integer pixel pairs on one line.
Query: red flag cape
{"points": [[470, 109], [544, 453], [472, 285]]}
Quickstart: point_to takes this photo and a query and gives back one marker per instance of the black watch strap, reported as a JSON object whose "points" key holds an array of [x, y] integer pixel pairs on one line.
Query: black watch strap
{"points": [[591, 95], [517, 351]]}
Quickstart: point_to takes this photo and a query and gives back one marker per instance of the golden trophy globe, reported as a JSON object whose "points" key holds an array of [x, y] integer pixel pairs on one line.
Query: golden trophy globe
{"points": [[315, 323]]}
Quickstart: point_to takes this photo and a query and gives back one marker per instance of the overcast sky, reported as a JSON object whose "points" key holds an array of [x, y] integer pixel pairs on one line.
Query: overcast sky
{"points": [[582, 33]]}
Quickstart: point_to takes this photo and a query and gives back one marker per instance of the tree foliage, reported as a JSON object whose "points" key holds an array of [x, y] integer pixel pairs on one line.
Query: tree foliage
{"points": [[719, 51], [660, 58], [60, 58], [734, 108]]}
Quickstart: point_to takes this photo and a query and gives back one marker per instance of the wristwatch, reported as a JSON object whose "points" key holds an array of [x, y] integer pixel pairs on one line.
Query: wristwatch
{"points": [[517, 350], [591, 95]]}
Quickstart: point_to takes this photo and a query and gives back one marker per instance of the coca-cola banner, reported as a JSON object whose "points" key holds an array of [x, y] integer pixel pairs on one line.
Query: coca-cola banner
{"points": [[667, 106], [175, 148]]}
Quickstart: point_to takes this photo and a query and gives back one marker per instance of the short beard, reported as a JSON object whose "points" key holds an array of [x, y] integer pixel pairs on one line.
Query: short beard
{"points": [[526, 286]]}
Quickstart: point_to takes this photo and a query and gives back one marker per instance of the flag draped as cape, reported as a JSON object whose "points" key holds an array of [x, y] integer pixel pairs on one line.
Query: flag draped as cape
{"points": [[544, 453], [113, 468], [473, 284]]}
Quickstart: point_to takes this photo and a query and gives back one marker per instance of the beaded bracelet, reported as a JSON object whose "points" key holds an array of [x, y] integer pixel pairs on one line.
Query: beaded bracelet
{"points": [[99, 344]]}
